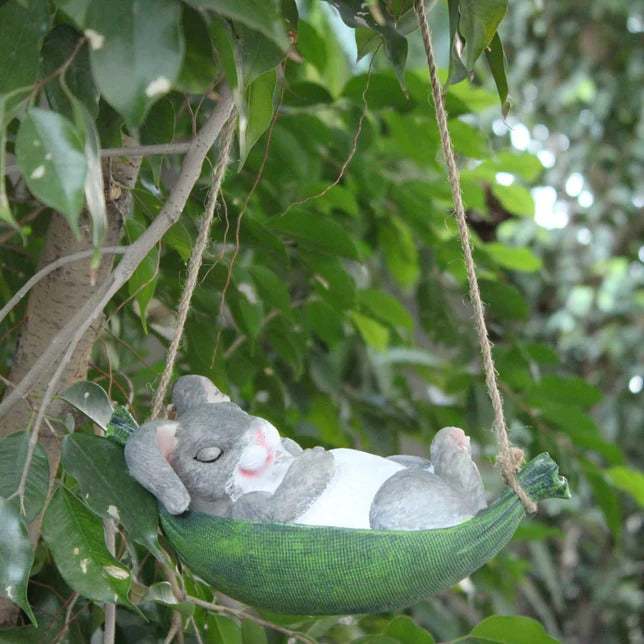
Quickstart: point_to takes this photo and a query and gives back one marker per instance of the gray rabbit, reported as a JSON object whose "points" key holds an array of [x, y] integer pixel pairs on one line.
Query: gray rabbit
{"points": [[216, 458]]}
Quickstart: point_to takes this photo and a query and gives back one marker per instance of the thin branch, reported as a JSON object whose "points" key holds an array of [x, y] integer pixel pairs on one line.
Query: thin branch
{"points": [[147, 150], [242, 614], [354, 145], [50, 268], [60, 70], [169, 214]]}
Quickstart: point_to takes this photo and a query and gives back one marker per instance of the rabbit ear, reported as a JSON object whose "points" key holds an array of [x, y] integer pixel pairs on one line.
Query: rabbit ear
{"points": [[192, 391], [147, 454]]}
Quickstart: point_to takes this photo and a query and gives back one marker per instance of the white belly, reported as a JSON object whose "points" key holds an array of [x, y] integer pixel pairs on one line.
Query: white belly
{"points": [[346, 502]]}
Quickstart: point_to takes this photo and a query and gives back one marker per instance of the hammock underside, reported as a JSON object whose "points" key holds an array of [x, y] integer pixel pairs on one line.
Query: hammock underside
{"points": [[322, 570]]}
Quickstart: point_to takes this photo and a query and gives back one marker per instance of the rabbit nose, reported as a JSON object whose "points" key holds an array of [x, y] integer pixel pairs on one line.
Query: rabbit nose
{"points": [[253, 458]]}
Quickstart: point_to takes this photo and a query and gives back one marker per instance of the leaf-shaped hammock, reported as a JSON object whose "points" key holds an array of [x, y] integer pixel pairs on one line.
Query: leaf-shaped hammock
{"points": [[323, 570], [304, 569]]}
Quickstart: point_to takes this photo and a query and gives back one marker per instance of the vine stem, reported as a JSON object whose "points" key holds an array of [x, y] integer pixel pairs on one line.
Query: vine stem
{"points": [[509, 457]]}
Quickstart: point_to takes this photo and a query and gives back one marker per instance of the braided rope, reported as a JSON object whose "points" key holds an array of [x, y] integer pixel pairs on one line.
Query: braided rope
{"points": [[509, 458], [196, 258]]}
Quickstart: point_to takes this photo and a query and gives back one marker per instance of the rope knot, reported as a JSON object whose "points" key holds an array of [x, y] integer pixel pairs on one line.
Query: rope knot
{"points": [[509, 461]]}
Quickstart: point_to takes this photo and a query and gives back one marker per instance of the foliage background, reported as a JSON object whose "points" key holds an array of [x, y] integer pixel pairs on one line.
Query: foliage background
{"points": [[346, 320]]}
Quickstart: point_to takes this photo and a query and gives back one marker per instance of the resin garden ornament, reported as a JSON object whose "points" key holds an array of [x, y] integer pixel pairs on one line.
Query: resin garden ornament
{"points": [[315, 531]]}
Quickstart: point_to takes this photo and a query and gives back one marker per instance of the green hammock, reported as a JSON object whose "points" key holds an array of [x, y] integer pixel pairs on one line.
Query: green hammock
{"points": [[309, 570]]}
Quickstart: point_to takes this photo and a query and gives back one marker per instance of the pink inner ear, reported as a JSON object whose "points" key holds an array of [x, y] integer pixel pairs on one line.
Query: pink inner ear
{"points": [[166, 440]]}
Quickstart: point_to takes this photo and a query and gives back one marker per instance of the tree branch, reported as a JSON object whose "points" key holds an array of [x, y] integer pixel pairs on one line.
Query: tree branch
{"points": [[50, 268], [170, 213]]}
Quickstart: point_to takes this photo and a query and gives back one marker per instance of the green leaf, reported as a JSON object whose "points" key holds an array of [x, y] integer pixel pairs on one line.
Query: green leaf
{"points": [[457, 70], [496, 60], [512, 630], [256, 113], [569, 390], [16, 557], [162, 593], [316, 232], [478, 23], [222, 39], [332, 282], [373, 333], [605, 497], [199, 68], [515, 198], [144, 280], [142, 37], [260, 16], [75, 9], [108, 489], [628, 480], [312, 46], [77, 543], [405, 630], [385, 307], [91, 400], [224, 629], [57, 49], [178, 238], [51, 158], [399, 247], [22, 29], [13, 455], [8, 107], [271, 288], [254, 54], [353, 14], [504, 300], [253, 633], [513, 257]]}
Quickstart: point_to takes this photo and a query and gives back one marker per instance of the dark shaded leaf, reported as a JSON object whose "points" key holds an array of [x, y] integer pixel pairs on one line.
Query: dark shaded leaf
{"points": [[496, 60], [144, 280], [199, 67], [77, 543], [316, 232], [108, 489], [22, 29], [57, 48]]}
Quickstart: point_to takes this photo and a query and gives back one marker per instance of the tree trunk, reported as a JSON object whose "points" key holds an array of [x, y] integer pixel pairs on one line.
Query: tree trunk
{"points": [[51, 303]]}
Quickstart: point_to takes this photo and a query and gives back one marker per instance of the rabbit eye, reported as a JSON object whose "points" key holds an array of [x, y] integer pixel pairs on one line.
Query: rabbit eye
{"points": [[208, 454]]}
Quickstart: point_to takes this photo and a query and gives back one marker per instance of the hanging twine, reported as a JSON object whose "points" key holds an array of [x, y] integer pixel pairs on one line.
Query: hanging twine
{"points": [[196, 258], [509, 458]]}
